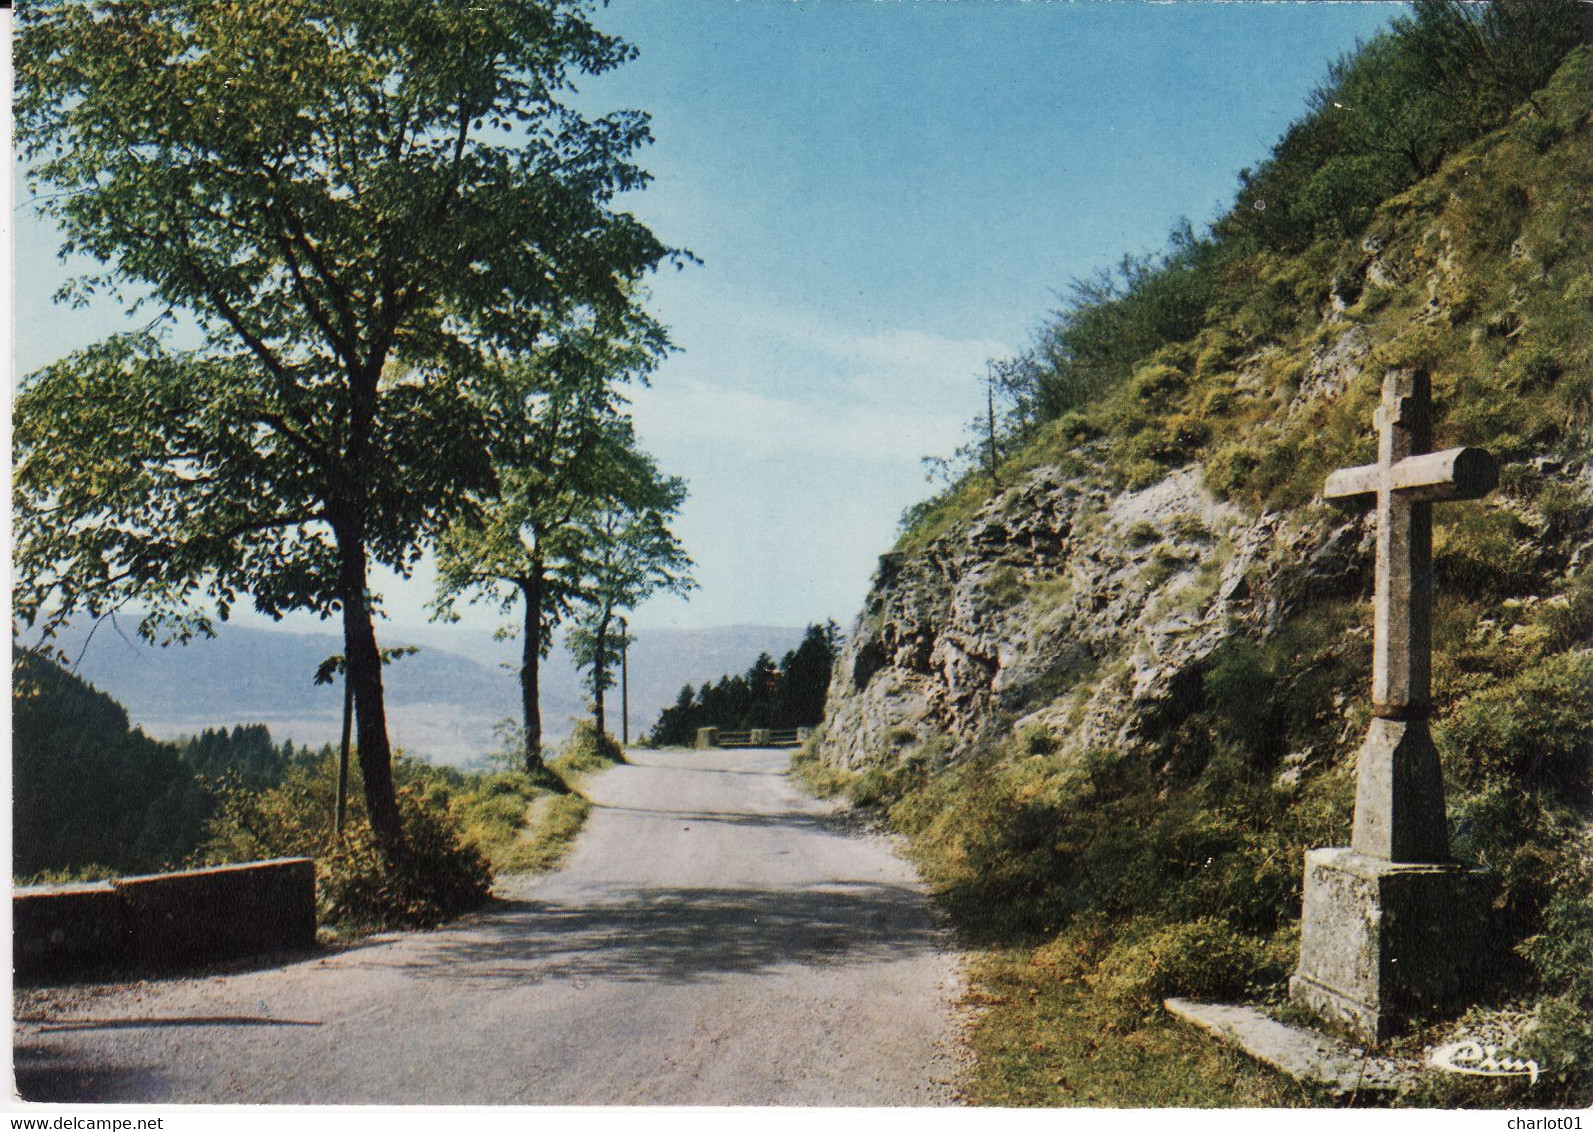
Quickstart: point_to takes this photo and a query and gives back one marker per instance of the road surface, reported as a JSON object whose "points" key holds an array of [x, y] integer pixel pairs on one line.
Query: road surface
{"points": [[715, 938]]}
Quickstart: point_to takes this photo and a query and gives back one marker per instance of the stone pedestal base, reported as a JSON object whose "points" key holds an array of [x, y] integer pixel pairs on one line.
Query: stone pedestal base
{"points": [[1382, 943]]}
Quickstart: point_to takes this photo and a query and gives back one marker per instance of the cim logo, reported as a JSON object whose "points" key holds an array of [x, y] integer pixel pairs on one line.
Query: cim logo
{"points": [[1481, 1061]]}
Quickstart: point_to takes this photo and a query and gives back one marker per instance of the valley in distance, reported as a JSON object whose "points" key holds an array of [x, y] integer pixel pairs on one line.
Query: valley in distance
{"points": [[442, 702]]}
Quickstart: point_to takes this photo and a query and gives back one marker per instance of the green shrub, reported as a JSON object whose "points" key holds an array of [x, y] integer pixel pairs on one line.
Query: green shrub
{"points": [[1036, 739], [1155, 384], [819, 777], [1203, 959], [588, 749], [885, 784], [872, 787], [1239, 685], [1562, 958], [433, 876], [1566, 619], [1230, 468], [436, 874], [1165, 561], [1485, 551], [1532, 728]]}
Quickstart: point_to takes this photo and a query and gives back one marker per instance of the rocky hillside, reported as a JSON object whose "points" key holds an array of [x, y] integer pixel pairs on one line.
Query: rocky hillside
{"points": [[1070, 606], [1087, 596], [1126, 675]]}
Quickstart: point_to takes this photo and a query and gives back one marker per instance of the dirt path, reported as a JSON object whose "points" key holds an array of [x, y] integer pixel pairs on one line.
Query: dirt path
{"points": [[715, 938]]}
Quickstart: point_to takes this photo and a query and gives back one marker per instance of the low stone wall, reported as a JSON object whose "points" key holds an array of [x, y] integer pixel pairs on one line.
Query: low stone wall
{"points": [[65, 928], [172, 919]]}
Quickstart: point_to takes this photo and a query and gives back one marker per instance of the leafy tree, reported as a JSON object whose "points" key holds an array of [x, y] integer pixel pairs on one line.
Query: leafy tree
{"points": [[565, 447], [763, 684], [790, 695], [677, 724], [630, 554], [805, 677], [358, 203], [1392, 109], [1484, 60]]}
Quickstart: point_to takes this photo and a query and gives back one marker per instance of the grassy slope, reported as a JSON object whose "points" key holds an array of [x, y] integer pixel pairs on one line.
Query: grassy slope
{"points": [[1184, 876], [525, 824]]}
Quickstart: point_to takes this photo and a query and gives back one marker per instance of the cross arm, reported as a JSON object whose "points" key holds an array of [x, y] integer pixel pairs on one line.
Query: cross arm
{"points": [[1456, 473]]}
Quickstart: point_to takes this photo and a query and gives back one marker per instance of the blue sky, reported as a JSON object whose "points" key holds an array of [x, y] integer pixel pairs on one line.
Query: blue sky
{"points": [[884, 194]]}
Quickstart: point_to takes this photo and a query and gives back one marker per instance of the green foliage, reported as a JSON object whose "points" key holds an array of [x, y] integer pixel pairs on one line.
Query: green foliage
{"points": [[492, 812], [362, 204], [1202, 959], [791, 694], [456, 826], [1110, 323], [93, 796], [434, 876], [588, 749], [1531, 728], [819, 777], [630, 554], [1562, 958], [1017, 845], [1238, 686], [1391, 111]]}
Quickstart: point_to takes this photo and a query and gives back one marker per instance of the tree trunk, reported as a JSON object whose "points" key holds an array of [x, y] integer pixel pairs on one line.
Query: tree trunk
{"points": [[363, 670], [599, 671], [530, 672]]}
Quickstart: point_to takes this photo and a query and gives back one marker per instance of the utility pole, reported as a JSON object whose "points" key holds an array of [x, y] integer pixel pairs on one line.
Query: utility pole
{"points": [[625, 685]]}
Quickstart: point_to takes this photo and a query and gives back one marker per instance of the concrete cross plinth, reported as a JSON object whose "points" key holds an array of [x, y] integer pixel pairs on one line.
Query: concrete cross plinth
{"points": [[1388, 923]]}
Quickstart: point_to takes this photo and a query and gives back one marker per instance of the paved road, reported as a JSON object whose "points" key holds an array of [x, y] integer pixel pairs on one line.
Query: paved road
{"points": [[714, 938]]}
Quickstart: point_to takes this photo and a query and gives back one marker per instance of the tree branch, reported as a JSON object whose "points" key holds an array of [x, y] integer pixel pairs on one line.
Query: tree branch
{"points": [[233, 317]]}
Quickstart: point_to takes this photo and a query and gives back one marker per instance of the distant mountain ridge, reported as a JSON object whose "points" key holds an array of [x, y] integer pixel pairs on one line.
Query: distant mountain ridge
{"points": [[442, 702]]}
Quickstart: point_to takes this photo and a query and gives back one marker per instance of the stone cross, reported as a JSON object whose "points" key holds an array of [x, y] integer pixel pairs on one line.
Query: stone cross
{"points": [[1399, 795]]}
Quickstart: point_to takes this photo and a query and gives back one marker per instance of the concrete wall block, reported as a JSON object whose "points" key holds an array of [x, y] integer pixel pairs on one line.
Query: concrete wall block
{"points": [[166, 920], [66, 929], [220, 913]]}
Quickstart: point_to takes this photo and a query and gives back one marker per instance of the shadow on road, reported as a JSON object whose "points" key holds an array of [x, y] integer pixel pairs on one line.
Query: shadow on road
{"points": [[44, 1077], [679, 935], [717, 770], [781, 819], [67, 1024]]}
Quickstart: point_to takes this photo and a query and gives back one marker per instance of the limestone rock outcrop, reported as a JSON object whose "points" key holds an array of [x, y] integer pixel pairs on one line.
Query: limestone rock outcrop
{"points": [[1064, 605]]}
